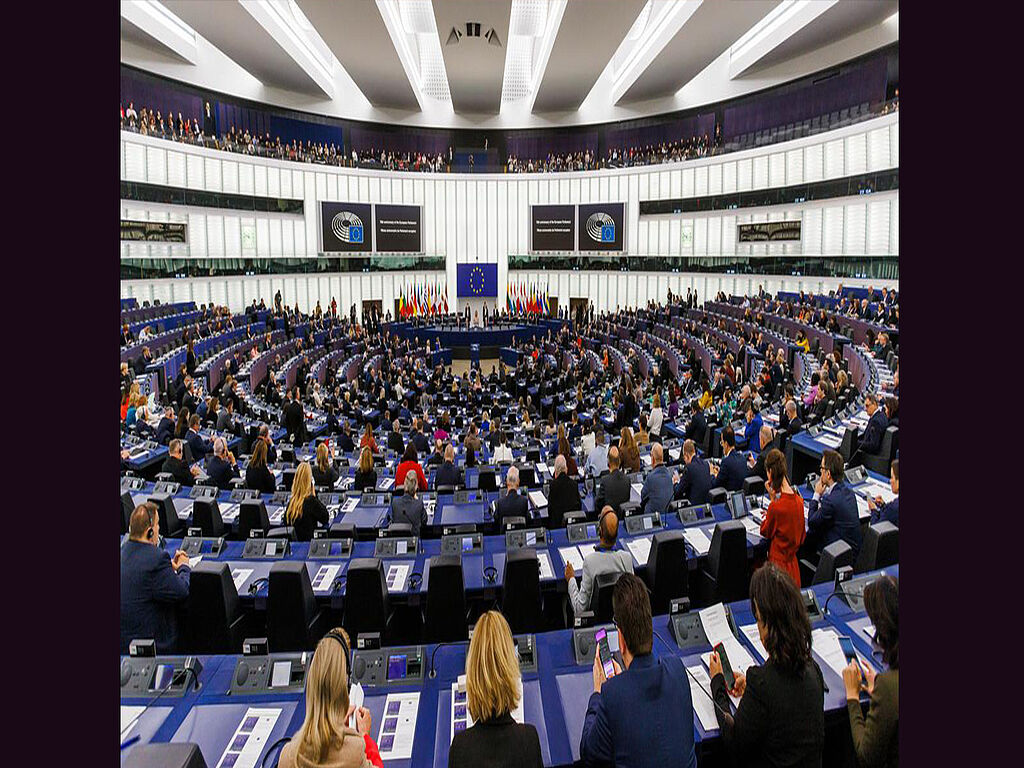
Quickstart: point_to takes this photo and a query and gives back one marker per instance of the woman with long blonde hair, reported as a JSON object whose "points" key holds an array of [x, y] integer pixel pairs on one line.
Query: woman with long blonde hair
{"points": [[304, 509], [324, 739], [493, 692], [324, 472]]}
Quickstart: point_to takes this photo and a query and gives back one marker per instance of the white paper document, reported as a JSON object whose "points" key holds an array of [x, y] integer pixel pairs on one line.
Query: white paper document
{"points": [[874, 488], [128, 720], [250, 738], [344, 483], [750, 632], [398, 726], [544, 560], [324, 578], [356, 697], [461, 719], [542, 467], [194, 561], [675, 453], [646, 458], [230, 513], [698, 540], [573, 556], [386, 483], [825, 643], [638, 488], [240, 576], [398, 574], [538, 498], [700, 692], [277, 516], [753, 527], [863, 511], [640, 548], [716, 627], [350, 504], [869, 630]]}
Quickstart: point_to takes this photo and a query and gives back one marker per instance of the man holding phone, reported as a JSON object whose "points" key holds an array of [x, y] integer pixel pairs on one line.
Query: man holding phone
{"points": [[634, 715]]}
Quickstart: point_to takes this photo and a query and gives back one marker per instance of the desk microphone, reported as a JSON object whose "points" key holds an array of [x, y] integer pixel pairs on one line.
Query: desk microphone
{"points": [[433, 672], [193, 666]]}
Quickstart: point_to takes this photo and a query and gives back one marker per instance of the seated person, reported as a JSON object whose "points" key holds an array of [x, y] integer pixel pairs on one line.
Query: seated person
{"points": [[780, 719], [325, 738], [657, 491], [395, 442], [793, 424], [258, 476], [492, 694], [324, 473], [406, 508], [890, 512], [305, 511], [502, 453], [634, 718], [563, 494], [437, 457], [448, 473], [871, 441], [698, 424], [367, 440], [366, 476], [756, 465], [153, 586], [174, 464], [752, 432], [612, 489], [410, 463], [195, 441], [832, 512], [694, 482], [345, 444], [165, 429], [604, 559], [511, 504], [222, 468], [733, 469]]}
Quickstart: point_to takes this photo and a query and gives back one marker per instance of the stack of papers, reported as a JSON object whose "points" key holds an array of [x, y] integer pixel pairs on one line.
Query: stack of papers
{"points": [[230, 513], [542, 467], [250, 738], [750, 632], [646, 458], [698, 540], [675, 453], [753, 527], [128, 720], [398, 574], [277, 516], [324, 578], [716, 627], [538, 499], [544, 560], [700, 692], [874, 488], [863, 510], [825, 643], [574, 556], [640, 548]]}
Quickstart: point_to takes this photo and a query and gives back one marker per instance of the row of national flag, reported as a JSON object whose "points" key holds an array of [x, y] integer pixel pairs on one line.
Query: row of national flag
{"points": [[423, 299], [523, 299]]}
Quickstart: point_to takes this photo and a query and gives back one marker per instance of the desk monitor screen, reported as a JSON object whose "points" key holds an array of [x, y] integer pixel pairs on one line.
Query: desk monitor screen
{"points": [[401, 547], [592, 531], [738, 505], [531, 538], [397, 666], [271, 548], [648, 522], [337, 548], [281, 674], [467, 543]]}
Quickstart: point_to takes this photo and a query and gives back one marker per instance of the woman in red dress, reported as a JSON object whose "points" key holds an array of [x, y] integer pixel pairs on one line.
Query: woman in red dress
{"points": [[783, 523]]}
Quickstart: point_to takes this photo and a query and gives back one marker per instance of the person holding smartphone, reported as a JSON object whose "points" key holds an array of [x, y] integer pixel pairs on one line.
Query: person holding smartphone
{"points": [[875, 737], [781, 717]]}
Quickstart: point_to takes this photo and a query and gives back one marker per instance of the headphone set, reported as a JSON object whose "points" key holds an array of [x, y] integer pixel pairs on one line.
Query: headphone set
{"points": [[152, 522]]}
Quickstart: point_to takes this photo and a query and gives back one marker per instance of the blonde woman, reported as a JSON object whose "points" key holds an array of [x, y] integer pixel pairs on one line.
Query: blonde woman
{"points": [[324, 472], [492, 692], [366, 476], [656, 419], [324, 739], [304, 509]]}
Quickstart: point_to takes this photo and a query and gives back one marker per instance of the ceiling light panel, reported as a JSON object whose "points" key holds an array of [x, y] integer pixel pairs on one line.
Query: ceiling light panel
{"points": [[413, 30], [533, 25]]}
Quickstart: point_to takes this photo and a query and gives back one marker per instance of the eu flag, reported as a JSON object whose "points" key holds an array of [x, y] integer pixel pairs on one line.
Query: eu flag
{"points": [[477, 280]]}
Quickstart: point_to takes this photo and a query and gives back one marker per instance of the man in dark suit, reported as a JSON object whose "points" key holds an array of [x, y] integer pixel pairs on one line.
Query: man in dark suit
{"points": [[165, 429], [197, 445], [512, 504], [395, 441], [563, 495], [871, 440], [447, 473], [832, 512], [613, 489], [153, 586], [633, 717], [264, 435], [226, 417], [657, 491], [793, 423], [698, 424], [178, 468], [756, 466], [294, 420], [419, 439], [889, 512], [694, 482], [407, 508], [345, 443], [222, 467], [733, 470]]}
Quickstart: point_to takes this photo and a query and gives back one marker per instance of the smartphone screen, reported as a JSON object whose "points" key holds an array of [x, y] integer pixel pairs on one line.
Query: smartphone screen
{"points": [[849, 652], [730, 678], [604, 652]]}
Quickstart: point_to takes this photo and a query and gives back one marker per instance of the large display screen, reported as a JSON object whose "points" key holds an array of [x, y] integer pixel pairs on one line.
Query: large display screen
{"points": [[154, 231], [397, 228], [345, 227], [601, 226], [553, 227], [768, 231]]}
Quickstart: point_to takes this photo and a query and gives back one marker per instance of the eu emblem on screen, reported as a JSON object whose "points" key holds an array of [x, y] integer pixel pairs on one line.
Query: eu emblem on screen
{"points": [[476, 281], [608, 233]]}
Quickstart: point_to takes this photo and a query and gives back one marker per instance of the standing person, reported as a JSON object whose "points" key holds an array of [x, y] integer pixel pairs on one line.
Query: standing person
{"points": [[324, 740], [875, 737], [495, 740], [641, 716], [781, 716], [783, 524]]}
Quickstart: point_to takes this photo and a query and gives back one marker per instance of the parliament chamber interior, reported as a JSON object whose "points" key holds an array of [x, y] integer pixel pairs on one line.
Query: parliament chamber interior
{"points": [[509, 383]]}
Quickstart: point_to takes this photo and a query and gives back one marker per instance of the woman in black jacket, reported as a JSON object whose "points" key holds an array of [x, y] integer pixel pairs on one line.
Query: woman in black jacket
{"points": [[257, 476], [366, 477], [304, 509], [781, 716], [324, 472], [486, 735]]}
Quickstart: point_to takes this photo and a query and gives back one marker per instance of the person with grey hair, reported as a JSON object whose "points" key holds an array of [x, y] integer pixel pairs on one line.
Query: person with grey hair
{"points": [[175, 465], [222, 467], [597, 459], [794, 424], [757, 469], [447, 473], [563, 495], [511, 504], [604, 558], [407, 508]]}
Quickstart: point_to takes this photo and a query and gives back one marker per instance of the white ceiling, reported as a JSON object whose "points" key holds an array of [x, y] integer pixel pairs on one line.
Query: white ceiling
{"points": [[583, 69]]}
